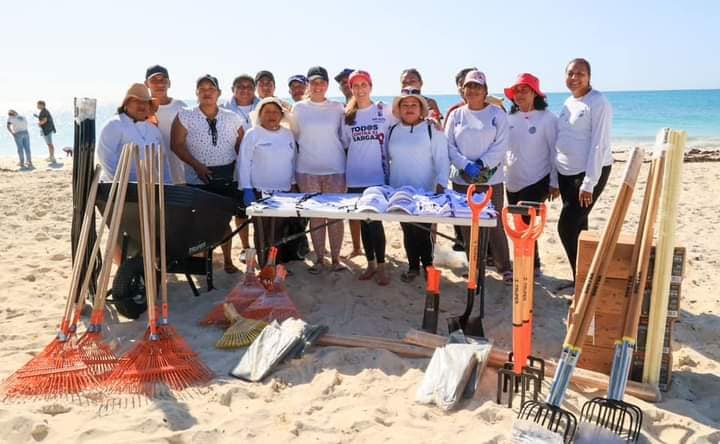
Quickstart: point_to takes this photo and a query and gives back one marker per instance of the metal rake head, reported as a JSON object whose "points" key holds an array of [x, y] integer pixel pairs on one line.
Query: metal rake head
{"points": [[551, 417], [620, 417], [510, 382]]}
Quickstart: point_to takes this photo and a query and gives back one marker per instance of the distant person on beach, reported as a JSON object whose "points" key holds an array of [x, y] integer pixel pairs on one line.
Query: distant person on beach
{"points": [[17, 126], [267, 164], [584, 157], [410, 79], [341, 79], [242, 103], [477, 139], [530, 172], [207, 138], [47, 128], [418, 156], [321, 160], [297, 85], [129, 125], [157, 80], [364, 133]]}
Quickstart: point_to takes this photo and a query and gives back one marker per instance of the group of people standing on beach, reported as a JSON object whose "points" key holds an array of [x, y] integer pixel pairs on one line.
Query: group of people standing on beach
{"points": [[17, 125], [256, 143]]}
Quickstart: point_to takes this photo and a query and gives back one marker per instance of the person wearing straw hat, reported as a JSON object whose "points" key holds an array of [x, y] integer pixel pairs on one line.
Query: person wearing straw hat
{"points": [[530, 172], [477, 142], [207, 138], [321, 160], [17, 126], [364, 131], [129, 125], [267, 165], [418, 155], [584, 157]]}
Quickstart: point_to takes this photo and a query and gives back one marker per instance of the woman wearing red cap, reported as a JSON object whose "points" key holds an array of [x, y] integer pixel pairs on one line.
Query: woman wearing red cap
{"points": [[583, 152], [364, 131], [530, 172]]}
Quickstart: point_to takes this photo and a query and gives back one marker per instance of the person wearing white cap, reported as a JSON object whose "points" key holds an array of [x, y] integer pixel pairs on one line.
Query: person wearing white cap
{"points": [[418, 155], [129, 125], [321, 160], [530, 173], [478, 141], [364, 132], [267, 164], [584, 157]]}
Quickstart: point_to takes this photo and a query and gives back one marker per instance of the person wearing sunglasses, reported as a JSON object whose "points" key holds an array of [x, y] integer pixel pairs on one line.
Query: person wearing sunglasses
{"points": [[321, 160], [207, 139], [411, 81], [364, 132], [530, 172], [418, 156], [478, 141]]}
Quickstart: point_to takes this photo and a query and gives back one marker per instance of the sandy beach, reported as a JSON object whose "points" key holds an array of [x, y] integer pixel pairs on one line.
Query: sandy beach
{"points": [[334, 394]]}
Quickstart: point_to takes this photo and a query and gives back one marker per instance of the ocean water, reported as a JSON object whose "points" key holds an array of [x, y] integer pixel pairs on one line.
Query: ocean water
{"points": [[638, 115]]}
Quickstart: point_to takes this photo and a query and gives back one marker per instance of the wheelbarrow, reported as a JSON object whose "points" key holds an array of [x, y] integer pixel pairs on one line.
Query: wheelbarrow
{"points": [[196, 223]]}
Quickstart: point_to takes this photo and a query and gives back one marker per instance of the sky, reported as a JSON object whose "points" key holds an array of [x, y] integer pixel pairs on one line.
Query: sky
{"points": [[57, 50]]}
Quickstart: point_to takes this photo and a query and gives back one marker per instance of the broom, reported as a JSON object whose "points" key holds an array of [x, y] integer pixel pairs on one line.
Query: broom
{"points": [[58, 368], [152, 366], [242, 332], [94, 351]]}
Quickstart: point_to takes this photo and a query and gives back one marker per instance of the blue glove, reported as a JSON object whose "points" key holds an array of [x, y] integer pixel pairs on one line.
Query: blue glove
{"points": [[480, 164], [472, 169], [248, 196]]}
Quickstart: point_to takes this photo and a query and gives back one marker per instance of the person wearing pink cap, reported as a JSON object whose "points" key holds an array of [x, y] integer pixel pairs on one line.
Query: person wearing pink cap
{"points": [[530, 172], [364, 132], [477, 136], [321, 159]]}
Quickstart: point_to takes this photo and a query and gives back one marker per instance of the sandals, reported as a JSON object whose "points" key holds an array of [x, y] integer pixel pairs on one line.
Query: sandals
{"points": [[315, 268], [409, 276]]}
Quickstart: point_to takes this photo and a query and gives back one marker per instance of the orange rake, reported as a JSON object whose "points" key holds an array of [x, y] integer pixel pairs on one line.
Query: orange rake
{"points": [[58, 369], [528, 221], [161, 361]]}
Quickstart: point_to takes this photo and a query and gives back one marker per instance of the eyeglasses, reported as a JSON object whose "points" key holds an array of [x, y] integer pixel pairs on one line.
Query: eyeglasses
{"points": [[409, 91], [212, 131]]}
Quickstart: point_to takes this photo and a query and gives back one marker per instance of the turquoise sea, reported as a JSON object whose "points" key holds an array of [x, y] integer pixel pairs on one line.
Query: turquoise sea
{"points": [[638, 115]]}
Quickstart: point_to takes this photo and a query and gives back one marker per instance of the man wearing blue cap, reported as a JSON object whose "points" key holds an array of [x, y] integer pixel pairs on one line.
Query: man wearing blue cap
{"points": [[297, 85], [342, 80]]}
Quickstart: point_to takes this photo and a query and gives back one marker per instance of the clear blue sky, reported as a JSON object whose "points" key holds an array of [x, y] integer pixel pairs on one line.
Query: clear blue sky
{"points": [[60, 49]]}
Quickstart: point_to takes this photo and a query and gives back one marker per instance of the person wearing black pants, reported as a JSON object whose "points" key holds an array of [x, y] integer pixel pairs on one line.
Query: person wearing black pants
{"points": [[373, 241], [418, 246], [537, 192], [574, 217]]}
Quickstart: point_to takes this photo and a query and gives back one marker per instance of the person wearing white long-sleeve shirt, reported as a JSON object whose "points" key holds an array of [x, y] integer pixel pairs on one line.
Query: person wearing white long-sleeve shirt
{"points": [[266, 165], [584, 158], [530, 172], [130, 125], [477, 142], [364, 132], [321, 160], [418, 155]]}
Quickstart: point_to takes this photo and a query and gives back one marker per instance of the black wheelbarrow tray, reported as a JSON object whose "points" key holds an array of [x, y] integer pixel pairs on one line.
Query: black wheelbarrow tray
{"points": [[196, 222]]}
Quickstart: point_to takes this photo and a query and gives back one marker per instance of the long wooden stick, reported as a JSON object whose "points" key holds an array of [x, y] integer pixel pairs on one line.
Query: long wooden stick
{"points": [[163, 247]]}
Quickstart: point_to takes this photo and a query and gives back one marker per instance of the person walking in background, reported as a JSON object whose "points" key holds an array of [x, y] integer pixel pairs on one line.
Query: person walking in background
{"points": [[297, 85], [410, 79], [321, 159], [477, 141], [418, 155], [267, 164], [207, 138], [47, 128], [530, 172], [364, 133], [157, 80], [584, 157], [17, 126], [243, 103]]}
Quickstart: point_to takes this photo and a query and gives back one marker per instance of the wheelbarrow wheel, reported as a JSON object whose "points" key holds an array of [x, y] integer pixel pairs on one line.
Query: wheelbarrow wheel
{"points": [[128, 288]]}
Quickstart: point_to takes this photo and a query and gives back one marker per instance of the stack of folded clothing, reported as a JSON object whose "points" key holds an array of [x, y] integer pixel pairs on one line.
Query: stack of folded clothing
{"points": [[374, 200], [403, 200], [460, 208]]}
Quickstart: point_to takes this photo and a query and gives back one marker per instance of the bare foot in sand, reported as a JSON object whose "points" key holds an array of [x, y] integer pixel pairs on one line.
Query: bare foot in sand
{"points": [[369, 271]]}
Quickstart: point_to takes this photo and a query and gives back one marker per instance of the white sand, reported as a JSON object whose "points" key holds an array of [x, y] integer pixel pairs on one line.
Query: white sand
{"points": [[336, 394]]}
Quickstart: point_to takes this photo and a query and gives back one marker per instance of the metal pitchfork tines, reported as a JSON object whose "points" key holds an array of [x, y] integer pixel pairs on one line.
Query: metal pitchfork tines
{"points": [[523, 224]]}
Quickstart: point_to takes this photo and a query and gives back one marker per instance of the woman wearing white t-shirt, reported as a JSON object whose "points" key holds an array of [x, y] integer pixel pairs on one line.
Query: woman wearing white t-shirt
{"points": [[530, 172], [418, 155], [584, 157], [364, 131], [266, 165], [477, 142], [321, 159]]}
